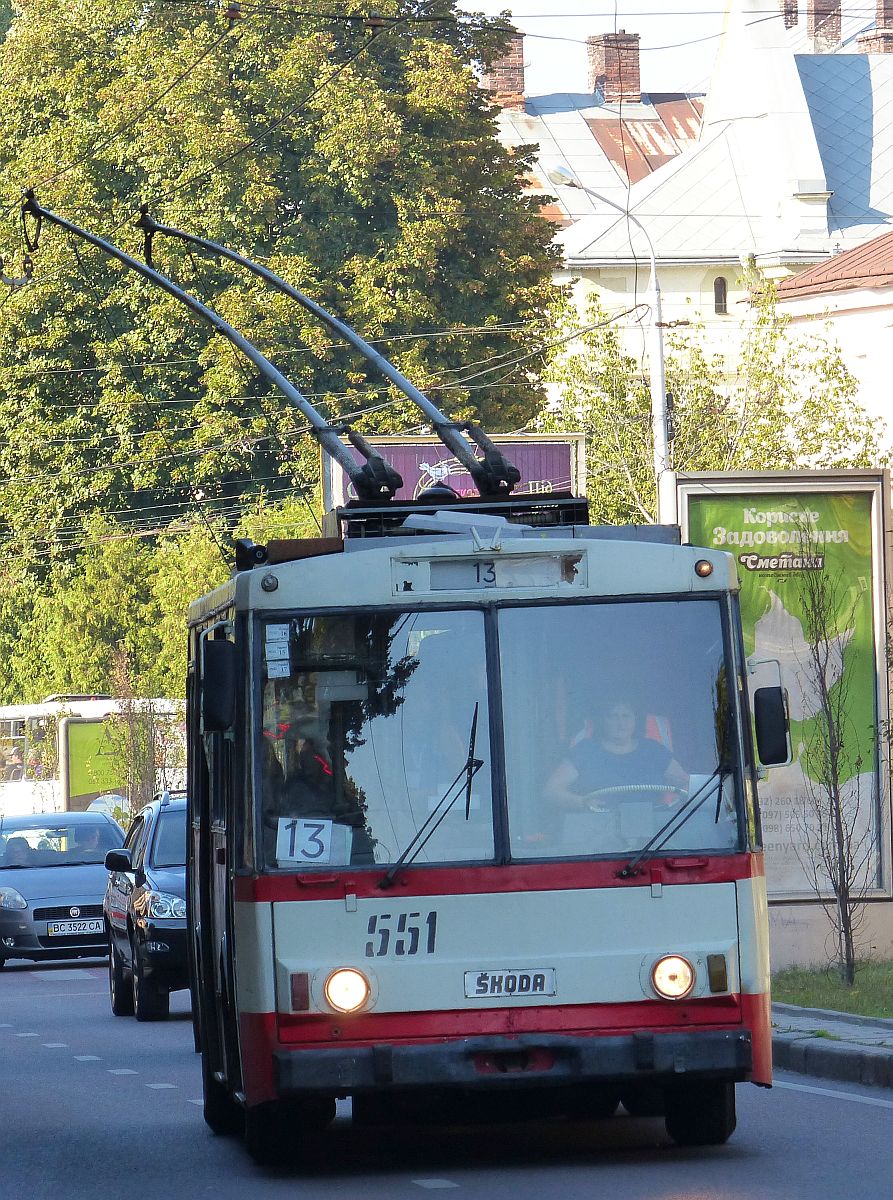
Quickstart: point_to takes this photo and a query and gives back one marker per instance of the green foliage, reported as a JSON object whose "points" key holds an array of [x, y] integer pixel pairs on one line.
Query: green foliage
{"points": [[821, 987], [122, 599], [788, 403], [361, 165]]}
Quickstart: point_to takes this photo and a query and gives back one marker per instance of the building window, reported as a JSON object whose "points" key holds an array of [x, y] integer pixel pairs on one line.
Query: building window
{"points": [[720, 295]]}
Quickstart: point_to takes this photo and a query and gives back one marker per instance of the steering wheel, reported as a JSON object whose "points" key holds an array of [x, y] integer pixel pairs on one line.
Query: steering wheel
{"points": [[621, 789]]}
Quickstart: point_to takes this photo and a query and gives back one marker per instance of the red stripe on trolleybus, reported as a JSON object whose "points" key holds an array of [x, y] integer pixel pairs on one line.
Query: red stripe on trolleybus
{"points": [[721, 1012], [465, 881]]}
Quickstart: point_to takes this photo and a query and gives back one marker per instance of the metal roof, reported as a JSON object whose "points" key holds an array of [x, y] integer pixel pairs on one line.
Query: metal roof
{"points": [[850, 103], [789, 157], [866, 266], [608, 146]]}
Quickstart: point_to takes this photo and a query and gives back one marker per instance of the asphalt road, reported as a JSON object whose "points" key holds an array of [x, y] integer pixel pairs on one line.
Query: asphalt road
{"points": [[97, 1106]]}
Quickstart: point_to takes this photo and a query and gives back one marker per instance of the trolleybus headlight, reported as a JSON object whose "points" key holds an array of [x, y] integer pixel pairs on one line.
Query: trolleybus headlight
{"points": [[673, 977], [346, 990]]}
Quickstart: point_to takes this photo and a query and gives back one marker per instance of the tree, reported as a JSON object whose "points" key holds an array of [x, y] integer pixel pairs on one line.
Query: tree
{"points": [[360, 163], [787, 404], [837, 830], [148, 740], [112, 611]]}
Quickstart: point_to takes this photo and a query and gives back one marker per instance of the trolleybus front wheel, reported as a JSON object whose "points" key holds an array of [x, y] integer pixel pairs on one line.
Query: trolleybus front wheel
{"points": [[701, 1114], [222, 1114], [275, 1133]]}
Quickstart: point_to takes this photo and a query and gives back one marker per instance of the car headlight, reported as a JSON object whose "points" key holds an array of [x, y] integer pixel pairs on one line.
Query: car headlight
{"points": [[10, 898], [162, 904], [673, 977], [347, 990]]}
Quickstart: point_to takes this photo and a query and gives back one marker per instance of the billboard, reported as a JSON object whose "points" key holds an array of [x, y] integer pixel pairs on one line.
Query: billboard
{"points": [[547, 462], [796, 537]]}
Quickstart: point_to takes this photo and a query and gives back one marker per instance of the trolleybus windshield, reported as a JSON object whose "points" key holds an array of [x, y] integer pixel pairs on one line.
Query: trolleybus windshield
{"points": [[615, 717], [365, 727]]}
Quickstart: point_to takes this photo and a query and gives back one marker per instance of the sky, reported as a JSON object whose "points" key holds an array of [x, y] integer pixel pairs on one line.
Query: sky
{"points": [[555, 50]]}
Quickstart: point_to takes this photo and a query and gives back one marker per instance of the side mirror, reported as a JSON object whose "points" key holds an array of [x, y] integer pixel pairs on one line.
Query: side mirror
{"points": [[118, 860], [218, 685], [770, 712]]}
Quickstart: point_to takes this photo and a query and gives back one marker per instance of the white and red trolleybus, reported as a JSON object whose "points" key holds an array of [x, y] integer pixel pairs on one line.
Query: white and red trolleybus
{"points": [[474, 817], [473, 805]]}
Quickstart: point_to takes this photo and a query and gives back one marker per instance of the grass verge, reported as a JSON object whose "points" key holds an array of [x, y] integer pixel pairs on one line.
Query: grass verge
{"points": [[821, 987]]}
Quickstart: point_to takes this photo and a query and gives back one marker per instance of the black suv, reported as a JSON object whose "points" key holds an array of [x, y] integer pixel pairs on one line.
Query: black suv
{"points": [[145, 911]]}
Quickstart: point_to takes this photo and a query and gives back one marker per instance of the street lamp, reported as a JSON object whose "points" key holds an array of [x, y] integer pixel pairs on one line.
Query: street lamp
{"points": [[666, 507]]}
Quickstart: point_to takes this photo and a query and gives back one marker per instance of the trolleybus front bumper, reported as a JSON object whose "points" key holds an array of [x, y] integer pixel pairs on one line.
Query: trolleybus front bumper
{"points": [[526, 1060]]}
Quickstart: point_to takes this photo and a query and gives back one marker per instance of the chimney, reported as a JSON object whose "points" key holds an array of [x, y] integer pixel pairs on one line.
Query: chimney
{"points": [[505, 78], [880, 39], [614, 66], [823, 24]]}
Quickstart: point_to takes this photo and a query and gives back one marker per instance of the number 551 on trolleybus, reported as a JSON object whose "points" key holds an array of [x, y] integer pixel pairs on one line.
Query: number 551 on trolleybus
{"points": [[474, 817]]}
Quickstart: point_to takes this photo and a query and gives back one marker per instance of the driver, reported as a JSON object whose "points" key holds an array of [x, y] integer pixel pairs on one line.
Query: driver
{"points": [[617, 756]]}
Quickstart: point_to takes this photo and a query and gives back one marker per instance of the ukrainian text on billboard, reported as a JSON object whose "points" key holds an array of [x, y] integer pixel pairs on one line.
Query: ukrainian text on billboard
{"points": [[777, 539]]}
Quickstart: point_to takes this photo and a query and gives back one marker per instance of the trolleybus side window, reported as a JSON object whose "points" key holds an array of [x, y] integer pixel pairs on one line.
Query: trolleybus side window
{"points": [[366, 720], [612, 728]]}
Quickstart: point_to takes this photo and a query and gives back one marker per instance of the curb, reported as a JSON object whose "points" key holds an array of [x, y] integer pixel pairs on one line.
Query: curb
{"points": [[827, 1058]]}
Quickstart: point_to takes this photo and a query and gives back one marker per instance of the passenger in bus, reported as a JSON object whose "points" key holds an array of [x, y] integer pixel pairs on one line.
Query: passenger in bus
{"points": [[617, 756], [299, 781]]}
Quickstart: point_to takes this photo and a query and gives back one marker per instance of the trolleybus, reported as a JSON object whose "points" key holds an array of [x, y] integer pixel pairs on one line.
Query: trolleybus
{"points": [[472, 797], [414, 871]]}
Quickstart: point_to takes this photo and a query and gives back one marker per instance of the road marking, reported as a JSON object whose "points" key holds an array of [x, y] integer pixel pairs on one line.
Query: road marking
{"points": [[122, 1071], [88, 1058], [195, 1101], [834, 1095], [158, 1086], [27, 1035], [55, 1045], [52, 976], [5, 1025], [434, 1183], [68, 995]]}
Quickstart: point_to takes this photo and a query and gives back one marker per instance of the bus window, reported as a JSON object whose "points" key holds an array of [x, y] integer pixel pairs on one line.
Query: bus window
{"points": [[614, 727], [365, 732]]}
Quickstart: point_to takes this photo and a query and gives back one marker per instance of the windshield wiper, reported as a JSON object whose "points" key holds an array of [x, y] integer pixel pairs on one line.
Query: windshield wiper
{"points": [[430, 825], [655, 843]]}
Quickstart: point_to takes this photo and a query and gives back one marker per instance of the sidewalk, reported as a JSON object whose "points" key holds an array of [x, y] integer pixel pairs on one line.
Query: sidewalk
{"points": [[832, 1045]]}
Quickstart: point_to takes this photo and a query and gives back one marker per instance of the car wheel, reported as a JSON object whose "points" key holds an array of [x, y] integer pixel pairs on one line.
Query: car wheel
{"points": [[120, 992], [275, 1133], [701, 1114], [150, 1003]]}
